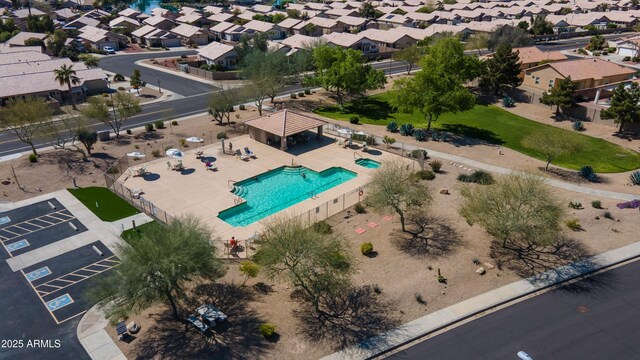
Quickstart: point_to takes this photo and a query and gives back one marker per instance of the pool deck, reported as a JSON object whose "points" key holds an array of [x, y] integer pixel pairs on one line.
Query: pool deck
{"points": [[204, 193]]}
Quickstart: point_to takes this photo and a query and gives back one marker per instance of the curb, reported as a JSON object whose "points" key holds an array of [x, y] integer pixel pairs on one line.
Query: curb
{"points": [[94, 339], [441, 319]]}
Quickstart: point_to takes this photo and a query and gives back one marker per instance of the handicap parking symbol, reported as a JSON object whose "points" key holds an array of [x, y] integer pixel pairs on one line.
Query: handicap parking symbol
{"points": [[39, 273], [59, 302], [4, 220], [17, 245]]}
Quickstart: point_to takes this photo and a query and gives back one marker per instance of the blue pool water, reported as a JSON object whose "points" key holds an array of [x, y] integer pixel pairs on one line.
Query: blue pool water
{"points": [[368, 163], [278, 189], [145, 6]]}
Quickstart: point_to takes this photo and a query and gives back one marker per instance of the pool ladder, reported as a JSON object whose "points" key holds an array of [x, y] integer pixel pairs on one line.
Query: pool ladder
{"points": [[230, 184]]}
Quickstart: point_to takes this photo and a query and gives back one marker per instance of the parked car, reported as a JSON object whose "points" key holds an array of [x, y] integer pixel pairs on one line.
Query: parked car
{"points": [[109, 49]]}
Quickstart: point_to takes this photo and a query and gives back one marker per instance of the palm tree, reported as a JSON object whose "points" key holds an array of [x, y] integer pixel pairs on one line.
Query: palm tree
{"points": [[66, 75]]}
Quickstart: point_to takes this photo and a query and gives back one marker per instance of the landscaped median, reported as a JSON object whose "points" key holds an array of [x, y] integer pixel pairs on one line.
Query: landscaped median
{"points": [[497, 126], [104, 203]]}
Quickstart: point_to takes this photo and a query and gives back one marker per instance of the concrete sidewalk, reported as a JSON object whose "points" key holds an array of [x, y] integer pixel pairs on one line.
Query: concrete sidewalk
{"points": [[94, 338], [451, 315], [501, 170]]}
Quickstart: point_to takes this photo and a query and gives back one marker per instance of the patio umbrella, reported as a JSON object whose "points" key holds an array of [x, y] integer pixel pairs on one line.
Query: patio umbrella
{"points": [[136, 154], [194, 139], [174, 153]]}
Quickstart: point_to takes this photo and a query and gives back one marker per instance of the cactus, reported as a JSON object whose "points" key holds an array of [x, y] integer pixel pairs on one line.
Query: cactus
{"points": [[420, 135], [635, 177], [588, 173], [406, 129], [392, 127], [578, 126]]}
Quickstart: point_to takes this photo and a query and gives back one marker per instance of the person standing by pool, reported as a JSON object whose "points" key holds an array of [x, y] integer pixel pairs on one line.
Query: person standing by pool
{"points": [[230, 147]]}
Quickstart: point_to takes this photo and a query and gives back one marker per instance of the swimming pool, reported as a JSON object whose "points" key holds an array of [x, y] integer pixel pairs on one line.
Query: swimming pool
{"points": [[278, 189], [368, 163]]}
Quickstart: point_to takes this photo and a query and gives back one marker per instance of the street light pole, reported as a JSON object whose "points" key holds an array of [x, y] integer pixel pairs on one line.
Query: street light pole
{"points": [[159, 88]]}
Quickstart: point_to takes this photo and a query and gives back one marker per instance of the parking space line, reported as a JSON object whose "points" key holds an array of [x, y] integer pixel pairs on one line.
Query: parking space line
{"points": [[64, 217], [50, 283], [41, 299]]}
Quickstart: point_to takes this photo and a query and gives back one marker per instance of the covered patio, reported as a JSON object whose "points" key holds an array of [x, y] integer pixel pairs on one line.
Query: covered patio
{"points": [[284, 128]]}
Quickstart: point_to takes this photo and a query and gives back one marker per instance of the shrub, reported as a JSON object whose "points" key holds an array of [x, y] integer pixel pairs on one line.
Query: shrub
{"points": [[406, 129], [588, 173], [426, 175], [301, 94], [174, 123], [148, 127], [578, 126], [183, 143], [633, 204], [392, 127], [436, 165], [118, 77], [388, 140], [221, 135], [582, 51], [156, 153], [242, 107], [366, 248], [121, 88], [507, 101], [596, 204], [294, 96], [417, 153], [159, 124], [626, 58], [608, 215], [575, 205], [129, 132], [33, 158], [419, 298], [475, 261], [574, 225], [354, 119], [360, 209], [307, 91], [267, 330], [322, 227], [479, 177], [420, 135], [635, 177]]}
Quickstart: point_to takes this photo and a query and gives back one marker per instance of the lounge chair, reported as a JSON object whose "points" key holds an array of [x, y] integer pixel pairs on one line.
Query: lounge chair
{"points": [[249, 153], [365, 147], [210, 166], [241, 155], [211, 315], [199, 154], [169, 167], [202, 327], [341, 143], [179, 166]]}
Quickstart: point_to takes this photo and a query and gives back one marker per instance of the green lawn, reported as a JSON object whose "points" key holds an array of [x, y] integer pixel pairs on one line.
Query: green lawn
{"points": [[109, 207], [132, 234], [494, 125]]}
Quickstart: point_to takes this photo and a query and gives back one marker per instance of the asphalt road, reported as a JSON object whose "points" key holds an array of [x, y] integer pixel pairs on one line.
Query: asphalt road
{"points": [[597, 318], [125, 63]]}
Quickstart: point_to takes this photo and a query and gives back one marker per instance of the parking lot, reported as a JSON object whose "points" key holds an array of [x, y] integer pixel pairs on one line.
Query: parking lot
{"points": [[46, 299], [61, 282], [37, 225]]}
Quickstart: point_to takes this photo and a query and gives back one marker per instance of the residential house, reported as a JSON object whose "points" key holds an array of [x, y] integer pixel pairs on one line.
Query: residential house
{"points": [[217, 31], [160, 22], [234, 33], [336, 13], [532, 56], [65, 15], [137, 36], [584, 73], [274, 32], [219, 54], [352, 41], [193, 18], [220, 17], [629, 47], [210, 10], [317, 26], [30, 73], [130, 13], [21, 37], [99, 38], [288, 24], [262, 9], [298, 41], [392, 20], [191, 34], [388, 39], [352, 23], [162, 38], [125, 23]]}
